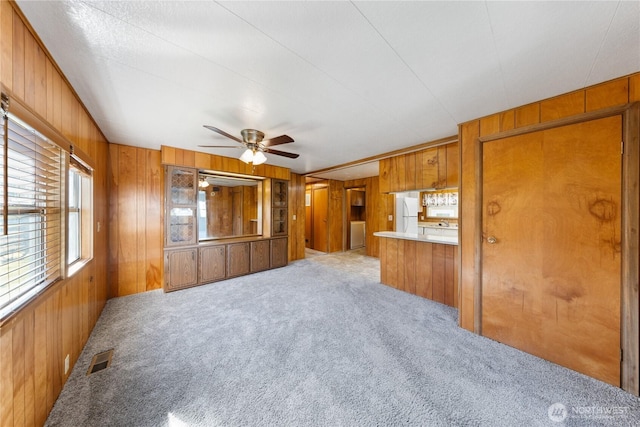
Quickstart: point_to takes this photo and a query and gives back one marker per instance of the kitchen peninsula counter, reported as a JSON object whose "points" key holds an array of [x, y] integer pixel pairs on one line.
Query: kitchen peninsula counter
{"points": [[444, 240], [421, 265]]}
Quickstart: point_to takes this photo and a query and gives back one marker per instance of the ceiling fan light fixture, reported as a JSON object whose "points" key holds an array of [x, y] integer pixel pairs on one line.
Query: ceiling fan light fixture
{"points": [[259, 158], [253, 156], [247, 156]]}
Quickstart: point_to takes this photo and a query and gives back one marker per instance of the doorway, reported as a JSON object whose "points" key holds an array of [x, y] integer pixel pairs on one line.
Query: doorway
{"points": [[316, 226], [356, 218]]}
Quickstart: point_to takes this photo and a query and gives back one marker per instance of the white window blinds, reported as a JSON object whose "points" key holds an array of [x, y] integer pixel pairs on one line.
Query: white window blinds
{"points": [[31, 192]]}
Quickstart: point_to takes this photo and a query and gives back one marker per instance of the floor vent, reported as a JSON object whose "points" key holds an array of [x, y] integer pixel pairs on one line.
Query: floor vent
{"points": [[100, 361]]}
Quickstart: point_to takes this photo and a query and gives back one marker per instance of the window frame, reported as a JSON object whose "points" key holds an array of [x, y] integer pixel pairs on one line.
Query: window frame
{"points": [[57, 242], [84, 199]]}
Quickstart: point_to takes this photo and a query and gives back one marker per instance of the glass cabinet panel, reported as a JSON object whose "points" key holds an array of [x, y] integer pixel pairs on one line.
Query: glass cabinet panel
{"points": [[181, 206]]}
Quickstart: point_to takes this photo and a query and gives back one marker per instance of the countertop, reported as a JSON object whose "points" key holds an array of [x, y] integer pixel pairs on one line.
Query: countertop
{"points": [[445, 240]]}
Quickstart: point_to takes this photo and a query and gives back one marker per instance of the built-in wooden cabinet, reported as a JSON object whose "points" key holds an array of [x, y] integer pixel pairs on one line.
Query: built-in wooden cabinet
{"points": [[435, 167], [187, 262], [181, 206], [211, 262]]}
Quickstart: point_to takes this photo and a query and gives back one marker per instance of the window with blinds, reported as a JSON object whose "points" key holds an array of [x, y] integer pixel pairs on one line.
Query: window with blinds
{"points": [[31, 195]]}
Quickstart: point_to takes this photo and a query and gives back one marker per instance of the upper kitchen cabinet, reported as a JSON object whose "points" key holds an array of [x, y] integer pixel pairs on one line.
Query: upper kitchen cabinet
{"points": [[392, 174], [435, 167], [453, 164]]}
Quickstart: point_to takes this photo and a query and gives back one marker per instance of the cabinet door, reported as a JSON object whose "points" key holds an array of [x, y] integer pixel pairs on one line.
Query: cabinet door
{"points": [[279, 212], [453, 162], [392, 174], [181, 269], [212, 262], [279, 193], [279, 221], [238, 259], [260, 258], [428, 169], [410, 170], [279, 252], [180, 201]]}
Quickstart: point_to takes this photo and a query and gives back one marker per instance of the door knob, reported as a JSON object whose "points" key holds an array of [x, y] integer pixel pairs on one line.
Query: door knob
{"points": [[491, 240]]}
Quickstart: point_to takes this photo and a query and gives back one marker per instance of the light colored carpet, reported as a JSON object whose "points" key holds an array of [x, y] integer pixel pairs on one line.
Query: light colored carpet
{"points": [[319, 342]]}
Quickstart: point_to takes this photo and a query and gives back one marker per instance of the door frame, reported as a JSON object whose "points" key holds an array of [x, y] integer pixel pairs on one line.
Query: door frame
{"points": [[630, 227]]}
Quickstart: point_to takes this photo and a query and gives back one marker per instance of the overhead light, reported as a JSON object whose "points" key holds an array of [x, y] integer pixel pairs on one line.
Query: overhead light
{"points": [[253, 156], [203, 183], [259, 158]]}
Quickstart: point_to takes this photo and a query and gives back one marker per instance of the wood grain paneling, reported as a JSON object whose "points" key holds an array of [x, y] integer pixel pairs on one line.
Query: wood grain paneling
{"points": [[297, 217], [35, 341], [490, 124], [562, 106], [634, 88], [336, 216], [609, 94], [420, 268], [468, 228], [527, 115], [136, 200]]}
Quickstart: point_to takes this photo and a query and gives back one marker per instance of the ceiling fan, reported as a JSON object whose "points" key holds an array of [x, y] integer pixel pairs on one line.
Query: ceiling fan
{"points": [[255, 145]]}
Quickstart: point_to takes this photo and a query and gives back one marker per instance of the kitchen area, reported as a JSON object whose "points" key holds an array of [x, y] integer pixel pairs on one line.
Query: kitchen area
{"points": [[421, 255]]}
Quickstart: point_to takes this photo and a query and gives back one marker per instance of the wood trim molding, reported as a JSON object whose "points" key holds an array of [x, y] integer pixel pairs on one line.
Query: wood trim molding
{"points": [[579, 118], [629, 339]]}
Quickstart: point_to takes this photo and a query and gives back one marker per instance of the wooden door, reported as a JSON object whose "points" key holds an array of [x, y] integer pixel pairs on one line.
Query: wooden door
{"points": [[320, 207], [551, 261]]}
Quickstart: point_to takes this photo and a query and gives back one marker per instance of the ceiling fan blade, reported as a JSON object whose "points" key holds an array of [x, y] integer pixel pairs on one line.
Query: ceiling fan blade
{"points": [[281, 153], [223, 133], [282, 139]]}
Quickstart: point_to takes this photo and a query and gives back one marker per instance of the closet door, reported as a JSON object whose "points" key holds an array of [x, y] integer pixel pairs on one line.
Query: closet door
{"points": [[551, 258]]}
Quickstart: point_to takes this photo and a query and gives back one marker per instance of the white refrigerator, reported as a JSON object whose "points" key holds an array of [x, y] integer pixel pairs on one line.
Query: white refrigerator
{"points": [[407, 214]]}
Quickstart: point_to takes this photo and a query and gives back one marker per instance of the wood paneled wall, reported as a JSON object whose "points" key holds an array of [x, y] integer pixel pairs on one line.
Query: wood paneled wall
{"points": [[297, 210], [378, 207], [336, 216], [136, 182], [35, 341], [609, 94]]}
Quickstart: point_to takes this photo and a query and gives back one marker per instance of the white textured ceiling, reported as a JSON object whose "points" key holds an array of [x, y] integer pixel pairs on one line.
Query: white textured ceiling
{"points": [[346, 80]]}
